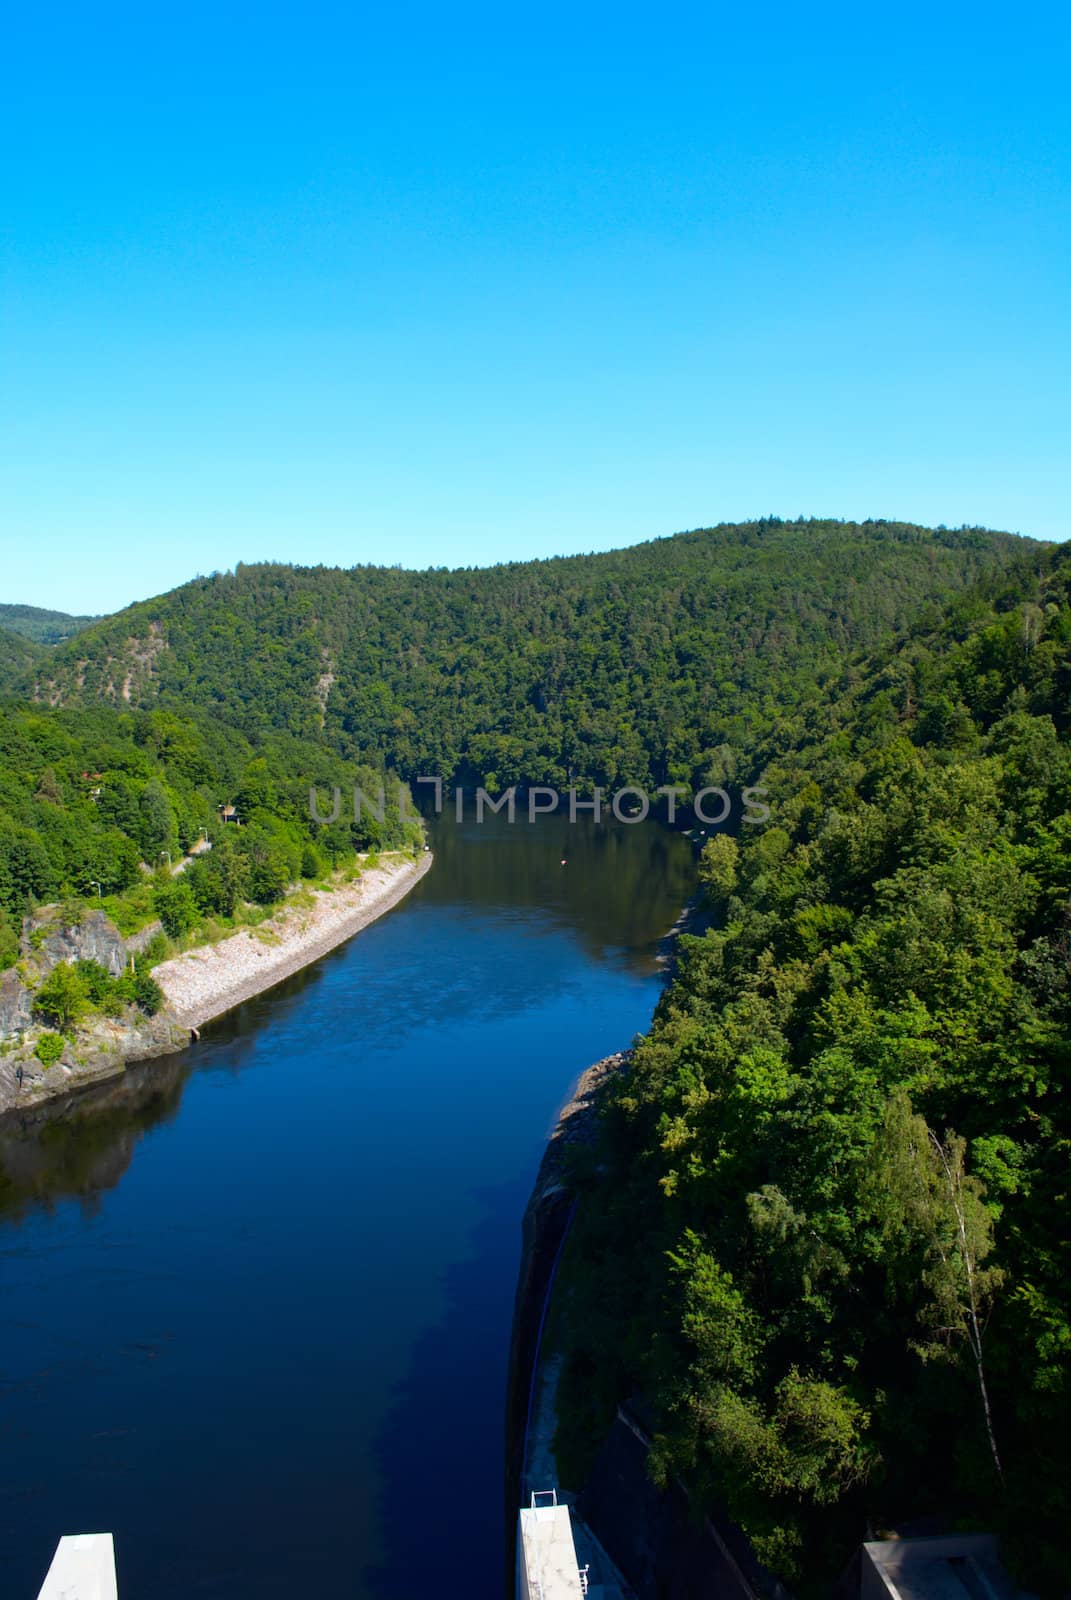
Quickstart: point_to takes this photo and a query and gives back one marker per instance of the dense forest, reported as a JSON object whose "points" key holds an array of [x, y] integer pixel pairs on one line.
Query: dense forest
{"points": [[667, 662], [830, 1247], [98, 804], [18, 659]]}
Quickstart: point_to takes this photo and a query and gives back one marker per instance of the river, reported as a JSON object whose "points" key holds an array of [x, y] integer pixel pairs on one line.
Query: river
{"points": [[256, 1301]]}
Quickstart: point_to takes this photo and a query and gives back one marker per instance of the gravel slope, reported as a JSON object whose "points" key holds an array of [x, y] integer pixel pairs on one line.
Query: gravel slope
{"points": [[204, 983]]}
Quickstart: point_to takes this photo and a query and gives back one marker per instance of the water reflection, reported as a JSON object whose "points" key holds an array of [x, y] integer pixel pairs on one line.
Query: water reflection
{"points": [[620, 890], [75, 1149]]}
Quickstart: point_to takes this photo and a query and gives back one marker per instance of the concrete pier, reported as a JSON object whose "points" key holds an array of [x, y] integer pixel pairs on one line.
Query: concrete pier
{"points": [[546, 1556], [83, 1568]]}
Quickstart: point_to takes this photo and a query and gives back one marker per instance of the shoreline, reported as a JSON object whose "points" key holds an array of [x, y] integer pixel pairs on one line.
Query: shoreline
{"points": [[623, 1528], [205, 983], [544, 1227]]}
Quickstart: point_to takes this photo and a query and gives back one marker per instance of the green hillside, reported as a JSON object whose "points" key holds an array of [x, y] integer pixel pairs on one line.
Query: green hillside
{"points": [[26, 632], [669, 661], [834, 1221], [18, 659], [42, 627]]}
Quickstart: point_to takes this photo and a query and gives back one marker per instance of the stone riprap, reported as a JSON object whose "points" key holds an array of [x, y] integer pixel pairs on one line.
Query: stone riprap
{"points": [[206, 982]]}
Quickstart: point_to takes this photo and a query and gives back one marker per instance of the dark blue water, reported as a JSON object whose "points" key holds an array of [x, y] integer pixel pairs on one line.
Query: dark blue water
{"points": [[256, 1302]]}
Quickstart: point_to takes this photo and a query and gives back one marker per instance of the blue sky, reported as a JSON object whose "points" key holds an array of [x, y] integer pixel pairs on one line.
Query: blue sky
{"points": [[440, 285]]}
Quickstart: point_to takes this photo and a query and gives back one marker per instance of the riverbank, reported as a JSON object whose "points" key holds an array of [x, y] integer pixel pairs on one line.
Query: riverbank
{"points": [[531, 1416], [204, 983], [543, 1229], [636, 1539], [199, 985]]}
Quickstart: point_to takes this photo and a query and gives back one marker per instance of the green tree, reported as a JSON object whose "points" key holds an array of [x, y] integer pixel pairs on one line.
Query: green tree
{"points": [[922, 1192], [718, 866], [9, 941], [175, 905], [157, 832], [63, 997]]}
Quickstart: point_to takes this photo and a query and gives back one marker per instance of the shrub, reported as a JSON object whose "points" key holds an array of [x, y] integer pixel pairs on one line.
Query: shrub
{"points": [[139, 989], [48, 1049], [148, 994], [97, 979], [154, 951]]}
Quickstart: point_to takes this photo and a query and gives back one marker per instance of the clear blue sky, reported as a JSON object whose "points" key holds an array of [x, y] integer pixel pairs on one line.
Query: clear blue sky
{"points": [[457, 284]]}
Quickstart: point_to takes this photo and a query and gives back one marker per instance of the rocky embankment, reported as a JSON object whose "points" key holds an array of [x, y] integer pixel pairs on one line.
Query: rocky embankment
{"points": [[102, 1045], [204, 983], [543, 1229], [200, 984], [101, 1049], [637, 1540], [575, 1130]]}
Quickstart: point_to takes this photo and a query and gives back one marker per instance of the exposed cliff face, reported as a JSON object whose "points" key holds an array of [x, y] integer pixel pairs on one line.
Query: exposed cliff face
{"points": [[15, 1004], [49, 937]]}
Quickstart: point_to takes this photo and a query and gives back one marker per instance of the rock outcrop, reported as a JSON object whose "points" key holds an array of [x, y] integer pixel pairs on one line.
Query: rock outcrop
{"points": [[49, 937], [102, 1049], [15, 1004]]}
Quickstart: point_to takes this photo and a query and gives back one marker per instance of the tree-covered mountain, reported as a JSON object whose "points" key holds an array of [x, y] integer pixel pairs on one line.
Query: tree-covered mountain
{"points": [[830, 1236], [42, 626], [667, 662]]}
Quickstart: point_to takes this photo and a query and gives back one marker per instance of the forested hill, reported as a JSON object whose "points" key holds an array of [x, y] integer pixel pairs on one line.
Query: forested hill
{"points": [[829, 1235], [43, 627], [26, 632], [662, 662], [18, 658]]}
